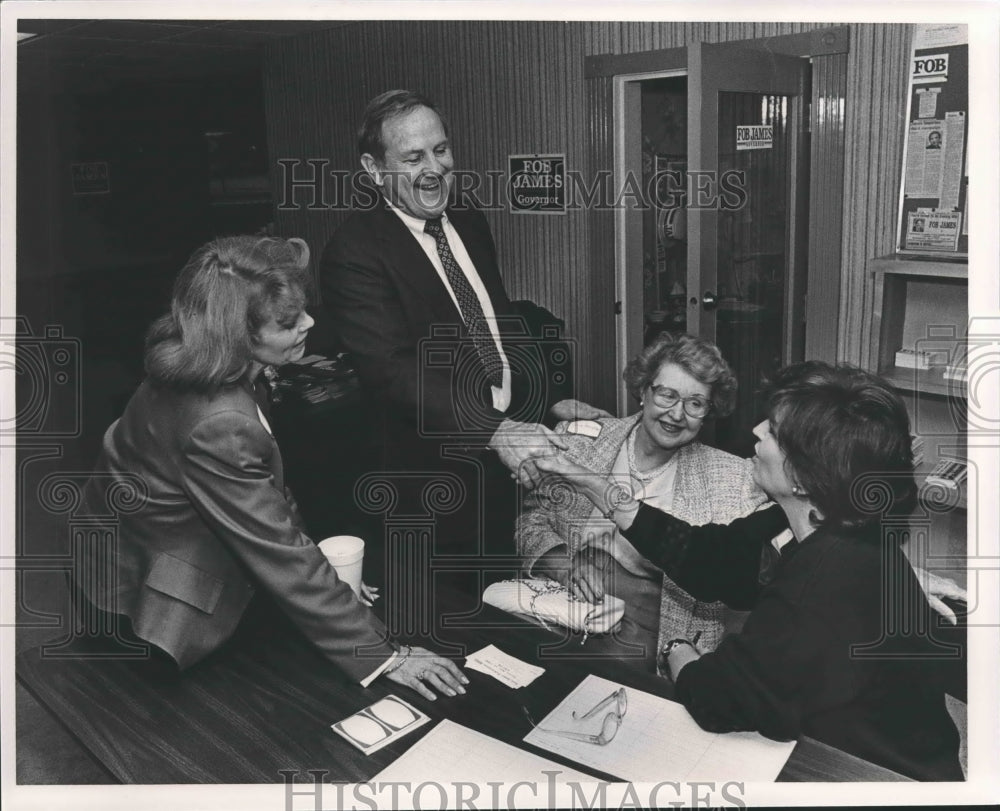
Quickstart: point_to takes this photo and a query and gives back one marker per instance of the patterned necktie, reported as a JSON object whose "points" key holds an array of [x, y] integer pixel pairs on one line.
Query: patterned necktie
{"points": [[468, 304]]}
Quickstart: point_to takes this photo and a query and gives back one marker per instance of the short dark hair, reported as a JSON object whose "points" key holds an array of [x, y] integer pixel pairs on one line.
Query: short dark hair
{"points": [[380, 109], [846, 438], [699, 358], [227, 291]]}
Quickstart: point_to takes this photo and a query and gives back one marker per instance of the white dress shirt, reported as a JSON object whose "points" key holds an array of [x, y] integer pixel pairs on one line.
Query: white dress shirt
{"points": [[501, 394]]}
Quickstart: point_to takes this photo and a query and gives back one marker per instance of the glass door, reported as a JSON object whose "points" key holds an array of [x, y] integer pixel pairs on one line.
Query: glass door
{"points": [[746, 217]]}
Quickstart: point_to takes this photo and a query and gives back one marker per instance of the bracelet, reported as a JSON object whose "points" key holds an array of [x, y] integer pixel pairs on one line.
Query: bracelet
{"points": [[400, 658], [617, 496]]}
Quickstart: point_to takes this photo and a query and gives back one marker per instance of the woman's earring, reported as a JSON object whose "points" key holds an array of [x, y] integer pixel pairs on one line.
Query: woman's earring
{"points": [[797, 491]]}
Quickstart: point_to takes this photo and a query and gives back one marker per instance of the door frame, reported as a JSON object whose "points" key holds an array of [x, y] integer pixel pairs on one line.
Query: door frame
{"points": [[608, 76], [628, 287]]}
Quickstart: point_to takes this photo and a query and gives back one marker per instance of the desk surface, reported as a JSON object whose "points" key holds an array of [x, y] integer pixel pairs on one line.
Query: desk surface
{"points": [[251, 711]]}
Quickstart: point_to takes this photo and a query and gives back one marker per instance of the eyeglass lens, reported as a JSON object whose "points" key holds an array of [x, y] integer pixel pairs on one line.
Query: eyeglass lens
{"points": [[668, 398], [618, 696]]}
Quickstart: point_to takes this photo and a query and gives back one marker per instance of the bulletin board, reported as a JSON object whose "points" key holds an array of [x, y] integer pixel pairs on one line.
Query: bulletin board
{"points": [[935, 183]]}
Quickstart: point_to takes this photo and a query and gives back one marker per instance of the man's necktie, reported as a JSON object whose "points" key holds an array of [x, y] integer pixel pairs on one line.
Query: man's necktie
{"points": [[468, 304]]}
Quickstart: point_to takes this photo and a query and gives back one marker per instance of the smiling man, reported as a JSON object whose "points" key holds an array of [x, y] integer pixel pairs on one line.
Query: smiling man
{"points": [[417, 261], [421, 267]]}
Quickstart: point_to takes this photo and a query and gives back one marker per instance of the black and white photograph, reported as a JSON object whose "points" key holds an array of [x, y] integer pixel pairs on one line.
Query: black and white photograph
{"points": [[479, 405]]}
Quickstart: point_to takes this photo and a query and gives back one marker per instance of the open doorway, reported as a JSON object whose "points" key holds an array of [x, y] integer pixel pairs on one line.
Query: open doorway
{"points": [[718, 247]]}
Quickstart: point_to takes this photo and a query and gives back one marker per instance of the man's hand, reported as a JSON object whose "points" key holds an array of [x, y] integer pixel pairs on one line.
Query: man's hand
{"points": [[576, 410], [518, 444], [422, 668]]}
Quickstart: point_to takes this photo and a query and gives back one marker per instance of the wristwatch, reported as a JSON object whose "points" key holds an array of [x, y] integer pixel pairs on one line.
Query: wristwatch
{"points": [[675, 643], [663, 661]]}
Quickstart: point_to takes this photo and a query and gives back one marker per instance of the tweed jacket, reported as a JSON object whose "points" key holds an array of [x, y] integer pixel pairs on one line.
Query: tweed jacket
{"points": [[711, 486], [213, 525]]}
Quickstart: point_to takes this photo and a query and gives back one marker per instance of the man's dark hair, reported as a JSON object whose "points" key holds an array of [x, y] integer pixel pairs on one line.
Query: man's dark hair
{"points": [[380, 109]]}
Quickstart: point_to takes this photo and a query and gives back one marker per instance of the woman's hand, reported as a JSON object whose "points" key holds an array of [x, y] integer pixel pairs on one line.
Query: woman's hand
{"points": [[369, 594], [583, 574], [582, 479], [604, 494], [423, 669], [585, 578], [936, 588], [520, 445]]}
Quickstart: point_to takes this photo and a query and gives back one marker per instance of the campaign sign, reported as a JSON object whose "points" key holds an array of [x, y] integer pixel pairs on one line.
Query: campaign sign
{"points": [[537, 184], [754, 136]]}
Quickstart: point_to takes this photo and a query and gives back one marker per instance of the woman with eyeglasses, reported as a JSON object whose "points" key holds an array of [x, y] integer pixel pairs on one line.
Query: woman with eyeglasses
{"points": [[839, 644], [679, 381]]}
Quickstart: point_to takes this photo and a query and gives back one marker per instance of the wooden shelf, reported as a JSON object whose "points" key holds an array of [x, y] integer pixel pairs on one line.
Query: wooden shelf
{"points": [[934, 268], [922, 304], [924, 381]]}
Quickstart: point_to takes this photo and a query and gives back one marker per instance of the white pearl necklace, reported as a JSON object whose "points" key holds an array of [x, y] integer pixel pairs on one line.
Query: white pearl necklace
{"points": [[633, 468]]}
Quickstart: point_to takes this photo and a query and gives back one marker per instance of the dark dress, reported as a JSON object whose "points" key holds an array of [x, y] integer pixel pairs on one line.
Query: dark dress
{"points": [[838, 646]]}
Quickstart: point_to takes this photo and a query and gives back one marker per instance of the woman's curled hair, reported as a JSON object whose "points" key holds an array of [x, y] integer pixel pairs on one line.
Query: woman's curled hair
{"points": [[227, 291], [698, 357]]}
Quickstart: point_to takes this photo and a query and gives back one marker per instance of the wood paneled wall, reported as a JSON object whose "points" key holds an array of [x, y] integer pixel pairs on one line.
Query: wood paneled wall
{"points": [[518, 87], [876, 124]]}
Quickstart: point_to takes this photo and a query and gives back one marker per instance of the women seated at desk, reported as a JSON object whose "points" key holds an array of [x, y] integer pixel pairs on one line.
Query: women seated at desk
{"points": [[215, 523], [837, 644], [679, 380]]}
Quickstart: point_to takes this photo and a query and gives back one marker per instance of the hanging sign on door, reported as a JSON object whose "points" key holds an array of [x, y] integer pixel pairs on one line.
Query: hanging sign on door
{"points": [[754, 136]]}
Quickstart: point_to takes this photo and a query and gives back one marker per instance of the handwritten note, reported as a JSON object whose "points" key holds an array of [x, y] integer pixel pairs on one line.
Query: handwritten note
{"points": [[505, 668]]}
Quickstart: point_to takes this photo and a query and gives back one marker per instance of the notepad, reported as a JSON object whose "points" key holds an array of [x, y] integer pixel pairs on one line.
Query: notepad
{"points": [[451, 752], [658, 740]]}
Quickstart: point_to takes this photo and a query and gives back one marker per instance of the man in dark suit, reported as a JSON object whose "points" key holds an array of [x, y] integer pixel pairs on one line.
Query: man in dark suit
{"points": [[415, 292]]}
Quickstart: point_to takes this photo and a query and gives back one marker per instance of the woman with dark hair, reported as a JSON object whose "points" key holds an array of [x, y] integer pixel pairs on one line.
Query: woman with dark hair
{"points": [[212, 522], [837, 645], [679, 381]]}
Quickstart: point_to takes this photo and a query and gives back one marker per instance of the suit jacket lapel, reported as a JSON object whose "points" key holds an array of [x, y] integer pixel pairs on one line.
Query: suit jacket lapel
{"points": [[412, 268]]}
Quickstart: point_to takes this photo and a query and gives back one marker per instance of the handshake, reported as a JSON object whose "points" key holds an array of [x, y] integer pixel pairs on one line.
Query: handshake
{"points": [[519, 444]]}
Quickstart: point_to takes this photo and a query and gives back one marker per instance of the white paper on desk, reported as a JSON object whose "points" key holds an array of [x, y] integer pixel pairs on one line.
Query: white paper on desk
{"points": [[502, 666], [451, 752], [658, 740]]}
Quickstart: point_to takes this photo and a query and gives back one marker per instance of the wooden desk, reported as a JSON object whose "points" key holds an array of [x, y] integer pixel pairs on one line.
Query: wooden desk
{"points": [[253, 710]]}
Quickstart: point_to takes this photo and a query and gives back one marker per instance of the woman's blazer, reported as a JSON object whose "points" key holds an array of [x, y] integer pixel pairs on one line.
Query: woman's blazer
{"points": [[212, 524]]}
